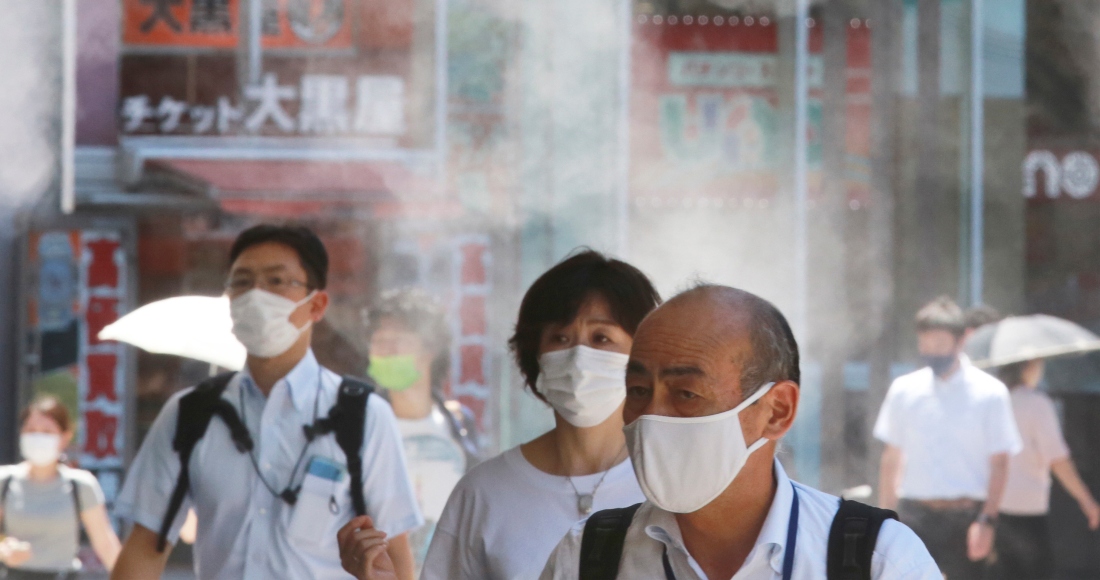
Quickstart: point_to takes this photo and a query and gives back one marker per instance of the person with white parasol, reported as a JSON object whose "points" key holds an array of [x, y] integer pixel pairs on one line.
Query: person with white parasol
{"points": [[1016, 349]]}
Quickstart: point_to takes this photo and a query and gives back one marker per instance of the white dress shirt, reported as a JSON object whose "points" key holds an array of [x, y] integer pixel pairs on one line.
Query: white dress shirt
{"points": [[244, 531], [898, 554], [947, 430]]}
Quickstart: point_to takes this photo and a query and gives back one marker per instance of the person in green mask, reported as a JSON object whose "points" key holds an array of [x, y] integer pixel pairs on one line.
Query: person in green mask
{"points": [[410, 340]]}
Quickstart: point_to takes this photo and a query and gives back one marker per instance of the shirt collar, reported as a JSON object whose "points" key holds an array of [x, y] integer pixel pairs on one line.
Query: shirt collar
{"points": [[663, 527], [301, 381]]}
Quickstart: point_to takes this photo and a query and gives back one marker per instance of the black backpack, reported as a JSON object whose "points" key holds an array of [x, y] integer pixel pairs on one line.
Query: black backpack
{"points": [[345, 420], [851, 541]]}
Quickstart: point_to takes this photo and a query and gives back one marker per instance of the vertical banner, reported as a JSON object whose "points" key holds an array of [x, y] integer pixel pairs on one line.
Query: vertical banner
{"points": [[80, 285], [102, 374], [470, 314]]}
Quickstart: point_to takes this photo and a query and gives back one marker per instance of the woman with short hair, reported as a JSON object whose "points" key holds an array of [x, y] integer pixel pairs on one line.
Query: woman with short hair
{"points": [[44, 503], [572, 340]]}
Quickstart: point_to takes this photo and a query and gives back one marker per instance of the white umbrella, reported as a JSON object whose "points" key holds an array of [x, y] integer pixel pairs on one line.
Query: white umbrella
{"points": [[197, 327], [1019, 338]]}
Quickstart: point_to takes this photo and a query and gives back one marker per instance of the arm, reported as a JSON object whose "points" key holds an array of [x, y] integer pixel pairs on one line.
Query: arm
{"points": [[14, 552], [364, 552], [979, 537], [998, 477], [102, 535], [401, 555], [1066, 472], [889, 477], [139, 559]]}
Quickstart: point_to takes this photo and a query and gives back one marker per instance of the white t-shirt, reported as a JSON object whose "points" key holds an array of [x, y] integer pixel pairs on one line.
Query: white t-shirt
{"points": [[436, 463], [505, 517], [43, 514], [1027, 492], [898, 555], [947, 430]]}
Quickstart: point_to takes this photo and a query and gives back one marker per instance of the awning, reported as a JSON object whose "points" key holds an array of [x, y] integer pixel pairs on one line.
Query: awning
{"points": [[295, 188]]}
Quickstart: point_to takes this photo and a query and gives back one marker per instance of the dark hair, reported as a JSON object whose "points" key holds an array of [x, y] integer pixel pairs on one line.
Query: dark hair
{"points": [[980, 315], [49, 406], [421, 314], [774, 348], [557, 296], [1012, 375], [310, 249], [941, 314]]}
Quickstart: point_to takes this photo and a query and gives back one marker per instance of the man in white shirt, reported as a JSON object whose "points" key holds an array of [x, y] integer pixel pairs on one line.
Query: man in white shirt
{"points": [[712, 386], [949, 432], [271, 511]]}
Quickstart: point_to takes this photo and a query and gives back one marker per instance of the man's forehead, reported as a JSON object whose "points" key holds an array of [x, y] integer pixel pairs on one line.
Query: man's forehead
{"points": [[704, 347], [268, 256]]}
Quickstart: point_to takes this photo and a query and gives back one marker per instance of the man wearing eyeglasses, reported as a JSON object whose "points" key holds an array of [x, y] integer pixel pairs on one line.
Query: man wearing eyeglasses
{"points": [[271, 511]]}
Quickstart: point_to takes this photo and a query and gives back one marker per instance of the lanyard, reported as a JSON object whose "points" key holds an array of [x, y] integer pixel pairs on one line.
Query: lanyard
{"points": [[290, 493], [788, 552]]}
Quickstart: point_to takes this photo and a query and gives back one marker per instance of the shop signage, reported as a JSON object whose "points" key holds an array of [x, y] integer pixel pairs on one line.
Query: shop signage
{"points": [[1070, 175]]}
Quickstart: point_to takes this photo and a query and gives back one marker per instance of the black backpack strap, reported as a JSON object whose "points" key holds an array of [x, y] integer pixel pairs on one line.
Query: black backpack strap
{"points": [[347, 419], [195, 411], [602, 542], [3, 503], [852, 540], [78, 508], [463, 428]]}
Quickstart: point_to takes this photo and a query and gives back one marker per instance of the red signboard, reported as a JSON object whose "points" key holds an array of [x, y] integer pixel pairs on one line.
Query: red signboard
{"points": [[216, 23], [705, 115]]}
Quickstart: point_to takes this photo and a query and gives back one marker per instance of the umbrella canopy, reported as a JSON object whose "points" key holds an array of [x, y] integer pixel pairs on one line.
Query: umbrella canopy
{"points": [[197, 327], [1019, 338]]}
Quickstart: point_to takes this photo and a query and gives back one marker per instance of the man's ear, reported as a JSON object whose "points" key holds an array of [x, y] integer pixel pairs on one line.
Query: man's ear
{"points": [[318, 306], [782, 402]]}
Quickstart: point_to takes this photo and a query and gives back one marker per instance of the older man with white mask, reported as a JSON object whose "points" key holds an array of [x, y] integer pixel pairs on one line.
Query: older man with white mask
{"points": [[712, 385]]}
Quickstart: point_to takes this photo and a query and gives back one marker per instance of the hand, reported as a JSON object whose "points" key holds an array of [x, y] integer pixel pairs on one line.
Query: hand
{"points": [[979, 541], [1092, 512], [363, 550], [13, 552]]}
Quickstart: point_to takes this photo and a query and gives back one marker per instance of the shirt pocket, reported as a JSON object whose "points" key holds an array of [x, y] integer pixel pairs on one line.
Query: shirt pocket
{"points": [[320, 503]]}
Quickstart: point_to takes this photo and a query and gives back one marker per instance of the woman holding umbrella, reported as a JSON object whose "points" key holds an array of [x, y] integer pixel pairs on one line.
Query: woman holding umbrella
{"points": [[1023, 538]]}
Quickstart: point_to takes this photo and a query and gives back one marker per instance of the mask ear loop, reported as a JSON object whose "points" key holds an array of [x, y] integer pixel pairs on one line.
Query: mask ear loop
{"points": [[763, 390]]}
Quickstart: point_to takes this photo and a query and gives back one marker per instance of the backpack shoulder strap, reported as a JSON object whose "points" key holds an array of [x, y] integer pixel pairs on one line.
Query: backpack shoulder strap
{"points": [[3, 502], [463, 428], [348, 420], [852, 540], [78, 506], [195, 411], [602, 542]]}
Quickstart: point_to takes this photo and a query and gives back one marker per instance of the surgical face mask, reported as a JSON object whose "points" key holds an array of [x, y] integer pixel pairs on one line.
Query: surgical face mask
{"points": [[261, 321], [40, 449], [683, 463], [940, 363], [584, 385], [395, 373]]}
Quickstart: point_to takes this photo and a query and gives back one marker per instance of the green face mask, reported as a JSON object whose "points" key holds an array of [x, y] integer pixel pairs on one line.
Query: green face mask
{"points": [[395, 373]]}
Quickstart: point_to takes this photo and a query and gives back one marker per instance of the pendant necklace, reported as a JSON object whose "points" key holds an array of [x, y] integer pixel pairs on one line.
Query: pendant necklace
{"points": [[585, 501]]}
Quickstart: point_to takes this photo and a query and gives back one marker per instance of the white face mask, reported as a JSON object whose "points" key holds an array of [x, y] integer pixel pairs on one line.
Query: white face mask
{"points": [[40, 449], [261, 321], [683, 463], [584, 385]]}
